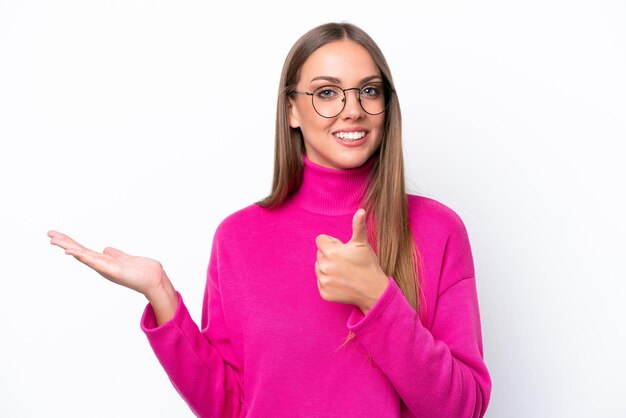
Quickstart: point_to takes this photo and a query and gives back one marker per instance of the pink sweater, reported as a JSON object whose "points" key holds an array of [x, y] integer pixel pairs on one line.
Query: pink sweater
{"points": [[270, 346]]}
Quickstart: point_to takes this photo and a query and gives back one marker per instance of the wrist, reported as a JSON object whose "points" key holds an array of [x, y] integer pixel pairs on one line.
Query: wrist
{"points": [[163, 299], [373, 300]]}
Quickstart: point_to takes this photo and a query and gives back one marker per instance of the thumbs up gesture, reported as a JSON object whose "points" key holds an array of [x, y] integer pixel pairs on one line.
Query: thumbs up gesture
{"points": [[350, 272]]}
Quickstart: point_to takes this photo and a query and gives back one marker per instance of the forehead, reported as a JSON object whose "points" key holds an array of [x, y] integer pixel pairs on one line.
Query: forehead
{"points": [[345, 60]]}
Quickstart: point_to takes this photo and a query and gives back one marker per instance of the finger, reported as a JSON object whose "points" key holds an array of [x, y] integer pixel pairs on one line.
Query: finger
{"points": [[114, 252], [75, 247], [68, 243], [323, 240], [319, 270], [359, 229], [92, 259], [318, 274], [62, 240], [58, 235]]}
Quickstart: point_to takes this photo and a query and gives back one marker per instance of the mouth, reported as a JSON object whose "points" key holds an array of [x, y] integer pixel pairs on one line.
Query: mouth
{"points": [[350, 136]]}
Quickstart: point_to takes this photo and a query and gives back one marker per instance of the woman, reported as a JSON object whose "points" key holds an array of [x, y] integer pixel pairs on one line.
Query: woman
{"points": [[338, 294]]}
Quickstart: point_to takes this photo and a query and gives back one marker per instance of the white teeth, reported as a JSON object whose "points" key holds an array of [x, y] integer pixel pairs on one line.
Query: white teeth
{"points": [[350, 136]]}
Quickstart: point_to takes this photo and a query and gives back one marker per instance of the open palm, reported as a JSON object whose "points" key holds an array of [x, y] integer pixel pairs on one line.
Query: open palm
{"points": [[142, 274]]}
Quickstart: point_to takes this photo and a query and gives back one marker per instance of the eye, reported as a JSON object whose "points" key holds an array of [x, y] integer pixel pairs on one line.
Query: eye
{"points": [[372, 91], [327, 92]]}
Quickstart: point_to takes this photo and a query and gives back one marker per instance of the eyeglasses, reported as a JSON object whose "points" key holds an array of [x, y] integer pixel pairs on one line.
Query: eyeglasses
{"points": [[329, 101]]}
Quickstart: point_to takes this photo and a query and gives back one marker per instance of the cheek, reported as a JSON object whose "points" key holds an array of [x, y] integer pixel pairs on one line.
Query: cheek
{"points": [[313, 124], [379, 126], [380, 122]]}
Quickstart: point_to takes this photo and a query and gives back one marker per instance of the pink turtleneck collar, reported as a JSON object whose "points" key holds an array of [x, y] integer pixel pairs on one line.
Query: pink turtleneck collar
{"points": [[329, 191]]}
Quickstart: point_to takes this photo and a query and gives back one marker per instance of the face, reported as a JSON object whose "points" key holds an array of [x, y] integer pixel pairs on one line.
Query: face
{"points": [[330, 142]]}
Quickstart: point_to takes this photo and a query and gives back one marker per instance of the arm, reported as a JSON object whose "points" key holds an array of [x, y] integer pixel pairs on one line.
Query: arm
{"points": [[195, 363], [438, 371]]}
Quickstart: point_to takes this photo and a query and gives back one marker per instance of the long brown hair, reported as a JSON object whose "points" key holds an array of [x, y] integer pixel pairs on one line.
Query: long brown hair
{"points": [[385, 200]]}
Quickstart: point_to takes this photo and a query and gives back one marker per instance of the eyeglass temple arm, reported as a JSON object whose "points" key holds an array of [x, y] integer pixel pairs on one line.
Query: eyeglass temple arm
{"points": [[300, 92]]}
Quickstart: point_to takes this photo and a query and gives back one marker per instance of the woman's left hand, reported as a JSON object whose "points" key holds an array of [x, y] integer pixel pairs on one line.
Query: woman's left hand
{"points": [[350, 272]]}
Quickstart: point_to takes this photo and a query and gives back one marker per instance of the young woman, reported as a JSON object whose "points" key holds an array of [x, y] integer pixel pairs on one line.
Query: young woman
{"points": [[338, 294]]}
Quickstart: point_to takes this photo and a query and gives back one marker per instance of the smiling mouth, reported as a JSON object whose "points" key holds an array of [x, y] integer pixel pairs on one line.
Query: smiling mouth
{"points": [[350, 136]]}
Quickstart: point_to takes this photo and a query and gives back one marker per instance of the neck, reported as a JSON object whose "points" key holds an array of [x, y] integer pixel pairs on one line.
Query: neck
{"points": [[330, 191]]}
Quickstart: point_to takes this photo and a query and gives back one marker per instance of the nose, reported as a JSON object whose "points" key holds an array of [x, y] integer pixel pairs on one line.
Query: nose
{"points": [[352, 108]]}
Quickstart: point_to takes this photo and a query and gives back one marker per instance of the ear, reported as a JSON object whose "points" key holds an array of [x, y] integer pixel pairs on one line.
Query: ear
{"points": [[292, 112]]}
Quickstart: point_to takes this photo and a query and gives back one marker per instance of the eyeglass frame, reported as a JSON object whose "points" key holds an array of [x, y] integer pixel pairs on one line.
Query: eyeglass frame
{"points": [[386, 89]]}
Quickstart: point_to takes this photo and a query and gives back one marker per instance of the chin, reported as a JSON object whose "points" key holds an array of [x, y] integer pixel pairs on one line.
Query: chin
{"points": [[339, 160], [351, 161]]}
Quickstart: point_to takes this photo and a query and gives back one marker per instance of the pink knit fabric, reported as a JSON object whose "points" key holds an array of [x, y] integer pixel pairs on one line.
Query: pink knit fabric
{"points": [[270, 346]]}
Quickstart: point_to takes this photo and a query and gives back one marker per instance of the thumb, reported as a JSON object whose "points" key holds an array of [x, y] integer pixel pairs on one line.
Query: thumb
{"points": [[359, 230], [113, 252]]}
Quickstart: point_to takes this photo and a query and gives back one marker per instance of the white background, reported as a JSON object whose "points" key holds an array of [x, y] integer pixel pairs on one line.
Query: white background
{"points": [[142, 124]]}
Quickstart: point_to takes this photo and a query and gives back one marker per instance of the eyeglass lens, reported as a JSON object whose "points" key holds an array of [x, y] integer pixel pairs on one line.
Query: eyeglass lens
{"points": [[329, 101]]}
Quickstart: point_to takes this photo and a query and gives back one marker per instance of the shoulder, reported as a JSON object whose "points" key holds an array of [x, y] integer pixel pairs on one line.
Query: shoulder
{"points": [[442, 239], [240, 220], [427, 215]]}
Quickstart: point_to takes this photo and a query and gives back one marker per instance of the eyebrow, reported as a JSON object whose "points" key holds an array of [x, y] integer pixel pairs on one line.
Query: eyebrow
{"points": [[336, 80]]}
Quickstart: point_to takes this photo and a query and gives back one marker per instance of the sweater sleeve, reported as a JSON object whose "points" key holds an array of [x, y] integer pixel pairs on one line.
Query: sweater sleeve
{"points": [[193, 360], [438, 371]]}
